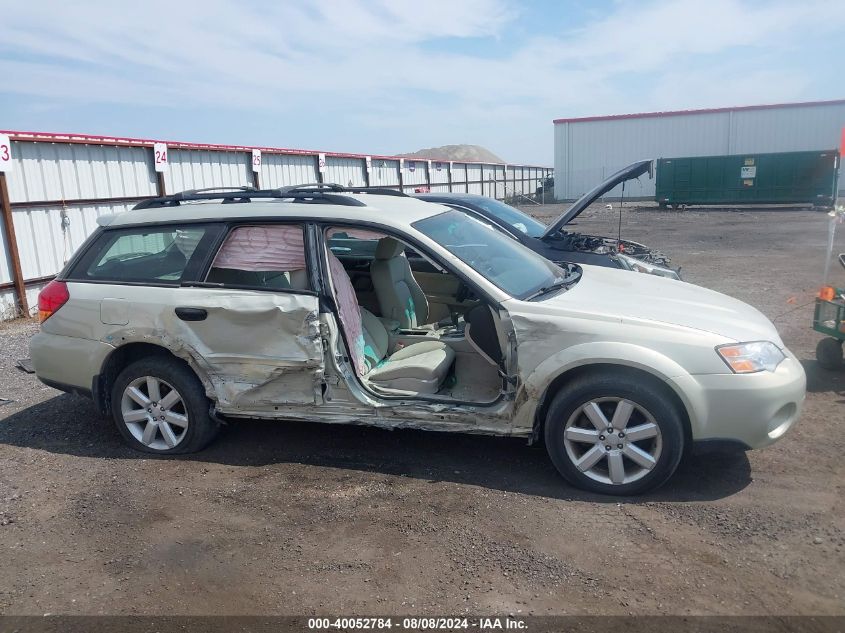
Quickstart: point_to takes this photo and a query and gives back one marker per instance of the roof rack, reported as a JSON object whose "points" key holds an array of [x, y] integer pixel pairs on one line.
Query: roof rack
{"points": [[310, 193], [335, 188]]}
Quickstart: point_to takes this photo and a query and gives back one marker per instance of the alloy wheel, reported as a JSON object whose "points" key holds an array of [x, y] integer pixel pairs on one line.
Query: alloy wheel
{"points": [[613, 440], [154, 412]]}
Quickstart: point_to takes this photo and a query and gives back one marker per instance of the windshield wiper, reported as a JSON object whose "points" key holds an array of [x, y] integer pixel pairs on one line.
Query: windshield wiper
{"points": [[566, 282]]}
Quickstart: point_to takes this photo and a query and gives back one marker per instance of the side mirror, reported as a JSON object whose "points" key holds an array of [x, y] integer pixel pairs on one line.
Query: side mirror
{"points": [[842, 259]]}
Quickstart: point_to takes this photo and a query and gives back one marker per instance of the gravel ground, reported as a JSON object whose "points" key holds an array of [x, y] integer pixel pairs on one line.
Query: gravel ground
{"points": [[290, 518]]}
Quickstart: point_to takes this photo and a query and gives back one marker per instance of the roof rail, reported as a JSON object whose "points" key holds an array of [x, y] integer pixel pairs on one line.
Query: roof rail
{"points": [[335, 188], [248, 194], [315, 192]]}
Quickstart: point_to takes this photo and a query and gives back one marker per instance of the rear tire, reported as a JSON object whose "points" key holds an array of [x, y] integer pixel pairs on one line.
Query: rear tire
{"points": [[829, 353], [159, 406], [614, 433]]}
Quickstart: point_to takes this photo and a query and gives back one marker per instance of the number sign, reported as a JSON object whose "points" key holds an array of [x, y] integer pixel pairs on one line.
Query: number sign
{"points": [[160, 156], [256, 160], [5, 153]]}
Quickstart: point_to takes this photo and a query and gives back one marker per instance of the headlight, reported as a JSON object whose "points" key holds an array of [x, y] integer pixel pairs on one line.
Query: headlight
{"points": [[638, 265], [747, 358]]}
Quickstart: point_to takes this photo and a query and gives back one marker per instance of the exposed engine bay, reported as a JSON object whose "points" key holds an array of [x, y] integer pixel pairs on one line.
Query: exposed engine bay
{"points": [[566, 240]]}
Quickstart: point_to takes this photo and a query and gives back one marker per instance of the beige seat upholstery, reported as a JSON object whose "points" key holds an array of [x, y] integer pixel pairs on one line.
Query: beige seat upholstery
{"points": [[399, 295], [420, 367]]}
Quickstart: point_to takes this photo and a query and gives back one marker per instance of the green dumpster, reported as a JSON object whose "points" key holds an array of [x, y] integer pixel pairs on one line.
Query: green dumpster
{"points": [[777, 178]]}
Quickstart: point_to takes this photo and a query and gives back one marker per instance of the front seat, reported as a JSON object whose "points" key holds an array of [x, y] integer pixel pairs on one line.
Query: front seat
{"points": [[420, 367], [399, 295]]}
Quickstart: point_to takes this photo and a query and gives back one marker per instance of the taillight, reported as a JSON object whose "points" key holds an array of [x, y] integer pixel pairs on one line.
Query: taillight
{"points": [[52, 297]]}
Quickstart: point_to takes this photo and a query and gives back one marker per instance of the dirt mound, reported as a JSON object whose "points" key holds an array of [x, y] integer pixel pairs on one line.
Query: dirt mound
{"points": [[459, 153]]}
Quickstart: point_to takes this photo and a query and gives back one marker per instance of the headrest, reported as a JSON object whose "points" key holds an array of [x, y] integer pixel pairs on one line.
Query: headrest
{"points": [[389, 248]]}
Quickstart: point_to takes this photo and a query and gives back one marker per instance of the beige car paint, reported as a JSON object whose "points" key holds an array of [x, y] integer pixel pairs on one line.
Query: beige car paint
{"points": [[255, 349], [271, 354]]}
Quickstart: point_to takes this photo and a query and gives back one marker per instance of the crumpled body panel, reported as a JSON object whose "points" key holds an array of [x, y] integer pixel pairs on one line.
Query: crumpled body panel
{"points": [[257, 348]]}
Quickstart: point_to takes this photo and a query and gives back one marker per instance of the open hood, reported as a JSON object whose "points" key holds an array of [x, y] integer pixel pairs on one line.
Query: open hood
{"points": [[632, 171]]}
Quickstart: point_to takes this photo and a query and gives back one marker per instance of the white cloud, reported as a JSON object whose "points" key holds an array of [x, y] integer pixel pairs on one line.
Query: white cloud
{"points": [[388, 66]]}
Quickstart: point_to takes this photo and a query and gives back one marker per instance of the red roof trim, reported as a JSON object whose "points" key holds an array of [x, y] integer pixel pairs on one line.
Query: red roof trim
{"points": [[122, 141], [644, 115]]}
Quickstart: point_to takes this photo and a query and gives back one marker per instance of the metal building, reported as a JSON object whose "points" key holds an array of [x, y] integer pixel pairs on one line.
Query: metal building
{"points": [[590, 148]]}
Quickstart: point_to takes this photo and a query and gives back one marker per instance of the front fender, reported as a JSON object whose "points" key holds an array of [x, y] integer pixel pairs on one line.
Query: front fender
{"points": [[535, 385]]}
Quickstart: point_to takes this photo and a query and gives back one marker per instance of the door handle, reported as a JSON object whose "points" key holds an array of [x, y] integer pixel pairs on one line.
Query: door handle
{"points": [[191, 314]]}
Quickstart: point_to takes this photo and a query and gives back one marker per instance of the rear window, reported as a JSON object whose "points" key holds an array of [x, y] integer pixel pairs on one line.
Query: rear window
{"points": [[159, 255], [262, 257]]}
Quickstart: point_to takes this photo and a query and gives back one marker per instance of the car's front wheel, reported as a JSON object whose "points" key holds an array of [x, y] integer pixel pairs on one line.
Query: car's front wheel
{"points": [[159, 406], [614, 433]]}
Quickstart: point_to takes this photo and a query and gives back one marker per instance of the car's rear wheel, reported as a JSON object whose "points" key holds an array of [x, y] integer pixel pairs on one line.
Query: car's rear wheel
{"points": [[614, 433], [159, 406]]}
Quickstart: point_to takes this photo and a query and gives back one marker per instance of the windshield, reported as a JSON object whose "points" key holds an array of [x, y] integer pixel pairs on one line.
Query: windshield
{"points": [[511, 216], [509, 265]]}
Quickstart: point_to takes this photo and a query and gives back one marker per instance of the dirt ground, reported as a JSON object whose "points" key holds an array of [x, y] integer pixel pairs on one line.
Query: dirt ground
{"points": [[288, 518]]}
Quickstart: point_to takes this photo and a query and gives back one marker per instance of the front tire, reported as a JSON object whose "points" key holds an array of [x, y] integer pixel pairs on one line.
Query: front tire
{"points": [[159, 406], [614, 433]]}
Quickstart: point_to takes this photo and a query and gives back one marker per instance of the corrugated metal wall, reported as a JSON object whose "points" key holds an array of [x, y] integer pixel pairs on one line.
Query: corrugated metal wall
{"points": [[348, 172], [58, 185], [192, 169], [415, 173], [64, 171], [439, 173], [474, 178], [278, 170], [587, 151], [385, 173]]}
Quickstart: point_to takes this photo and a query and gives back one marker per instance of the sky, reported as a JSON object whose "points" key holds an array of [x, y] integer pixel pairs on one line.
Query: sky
{"points": [[394, 76]]}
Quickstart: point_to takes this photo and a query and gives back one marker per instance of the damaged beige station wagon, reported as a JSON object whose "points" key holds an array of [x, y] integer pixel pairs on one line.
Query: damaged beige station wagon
{"points": [[338, 305]]}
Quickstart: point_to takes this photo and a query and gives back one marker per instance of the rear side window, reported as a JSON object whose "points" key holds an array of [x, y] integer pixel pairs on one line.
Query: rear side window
{"points": [[262, 257], [158, 255]]}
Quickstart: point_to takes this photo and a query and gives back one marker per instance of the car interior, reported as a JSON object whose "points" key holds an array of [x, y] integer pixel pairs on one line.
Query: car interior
{"points": [[421, 330]]}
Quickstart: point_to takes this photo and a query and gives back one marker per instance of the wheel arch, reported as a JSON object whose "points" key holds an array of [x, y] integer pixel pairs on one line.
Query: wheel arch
{"points": [[579, 371], [121, 357]]}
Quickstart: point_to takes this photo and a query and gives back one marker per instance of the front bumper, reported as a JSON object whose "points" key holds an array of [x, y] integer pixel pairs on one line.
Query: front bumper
{"points": [[753, 409]]}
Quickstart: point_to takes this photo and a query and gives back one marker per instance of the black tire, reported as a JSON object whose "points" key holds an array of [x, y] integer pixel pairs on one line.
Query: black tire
{"points": [[201, 428], [829, 353], [641, 391]]}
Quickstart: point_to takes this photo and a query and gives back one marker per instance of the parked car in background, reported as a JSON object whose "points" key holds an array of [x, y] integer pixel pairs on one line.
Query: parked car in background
{"points": [[556, 242], [202, 307]]}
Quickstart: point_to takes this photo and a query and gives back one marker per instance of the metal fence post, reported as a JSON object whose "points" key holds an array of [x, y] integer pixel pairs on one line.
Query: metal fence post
{"points": [[11, 238], [162, 189], [319, 171]]}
